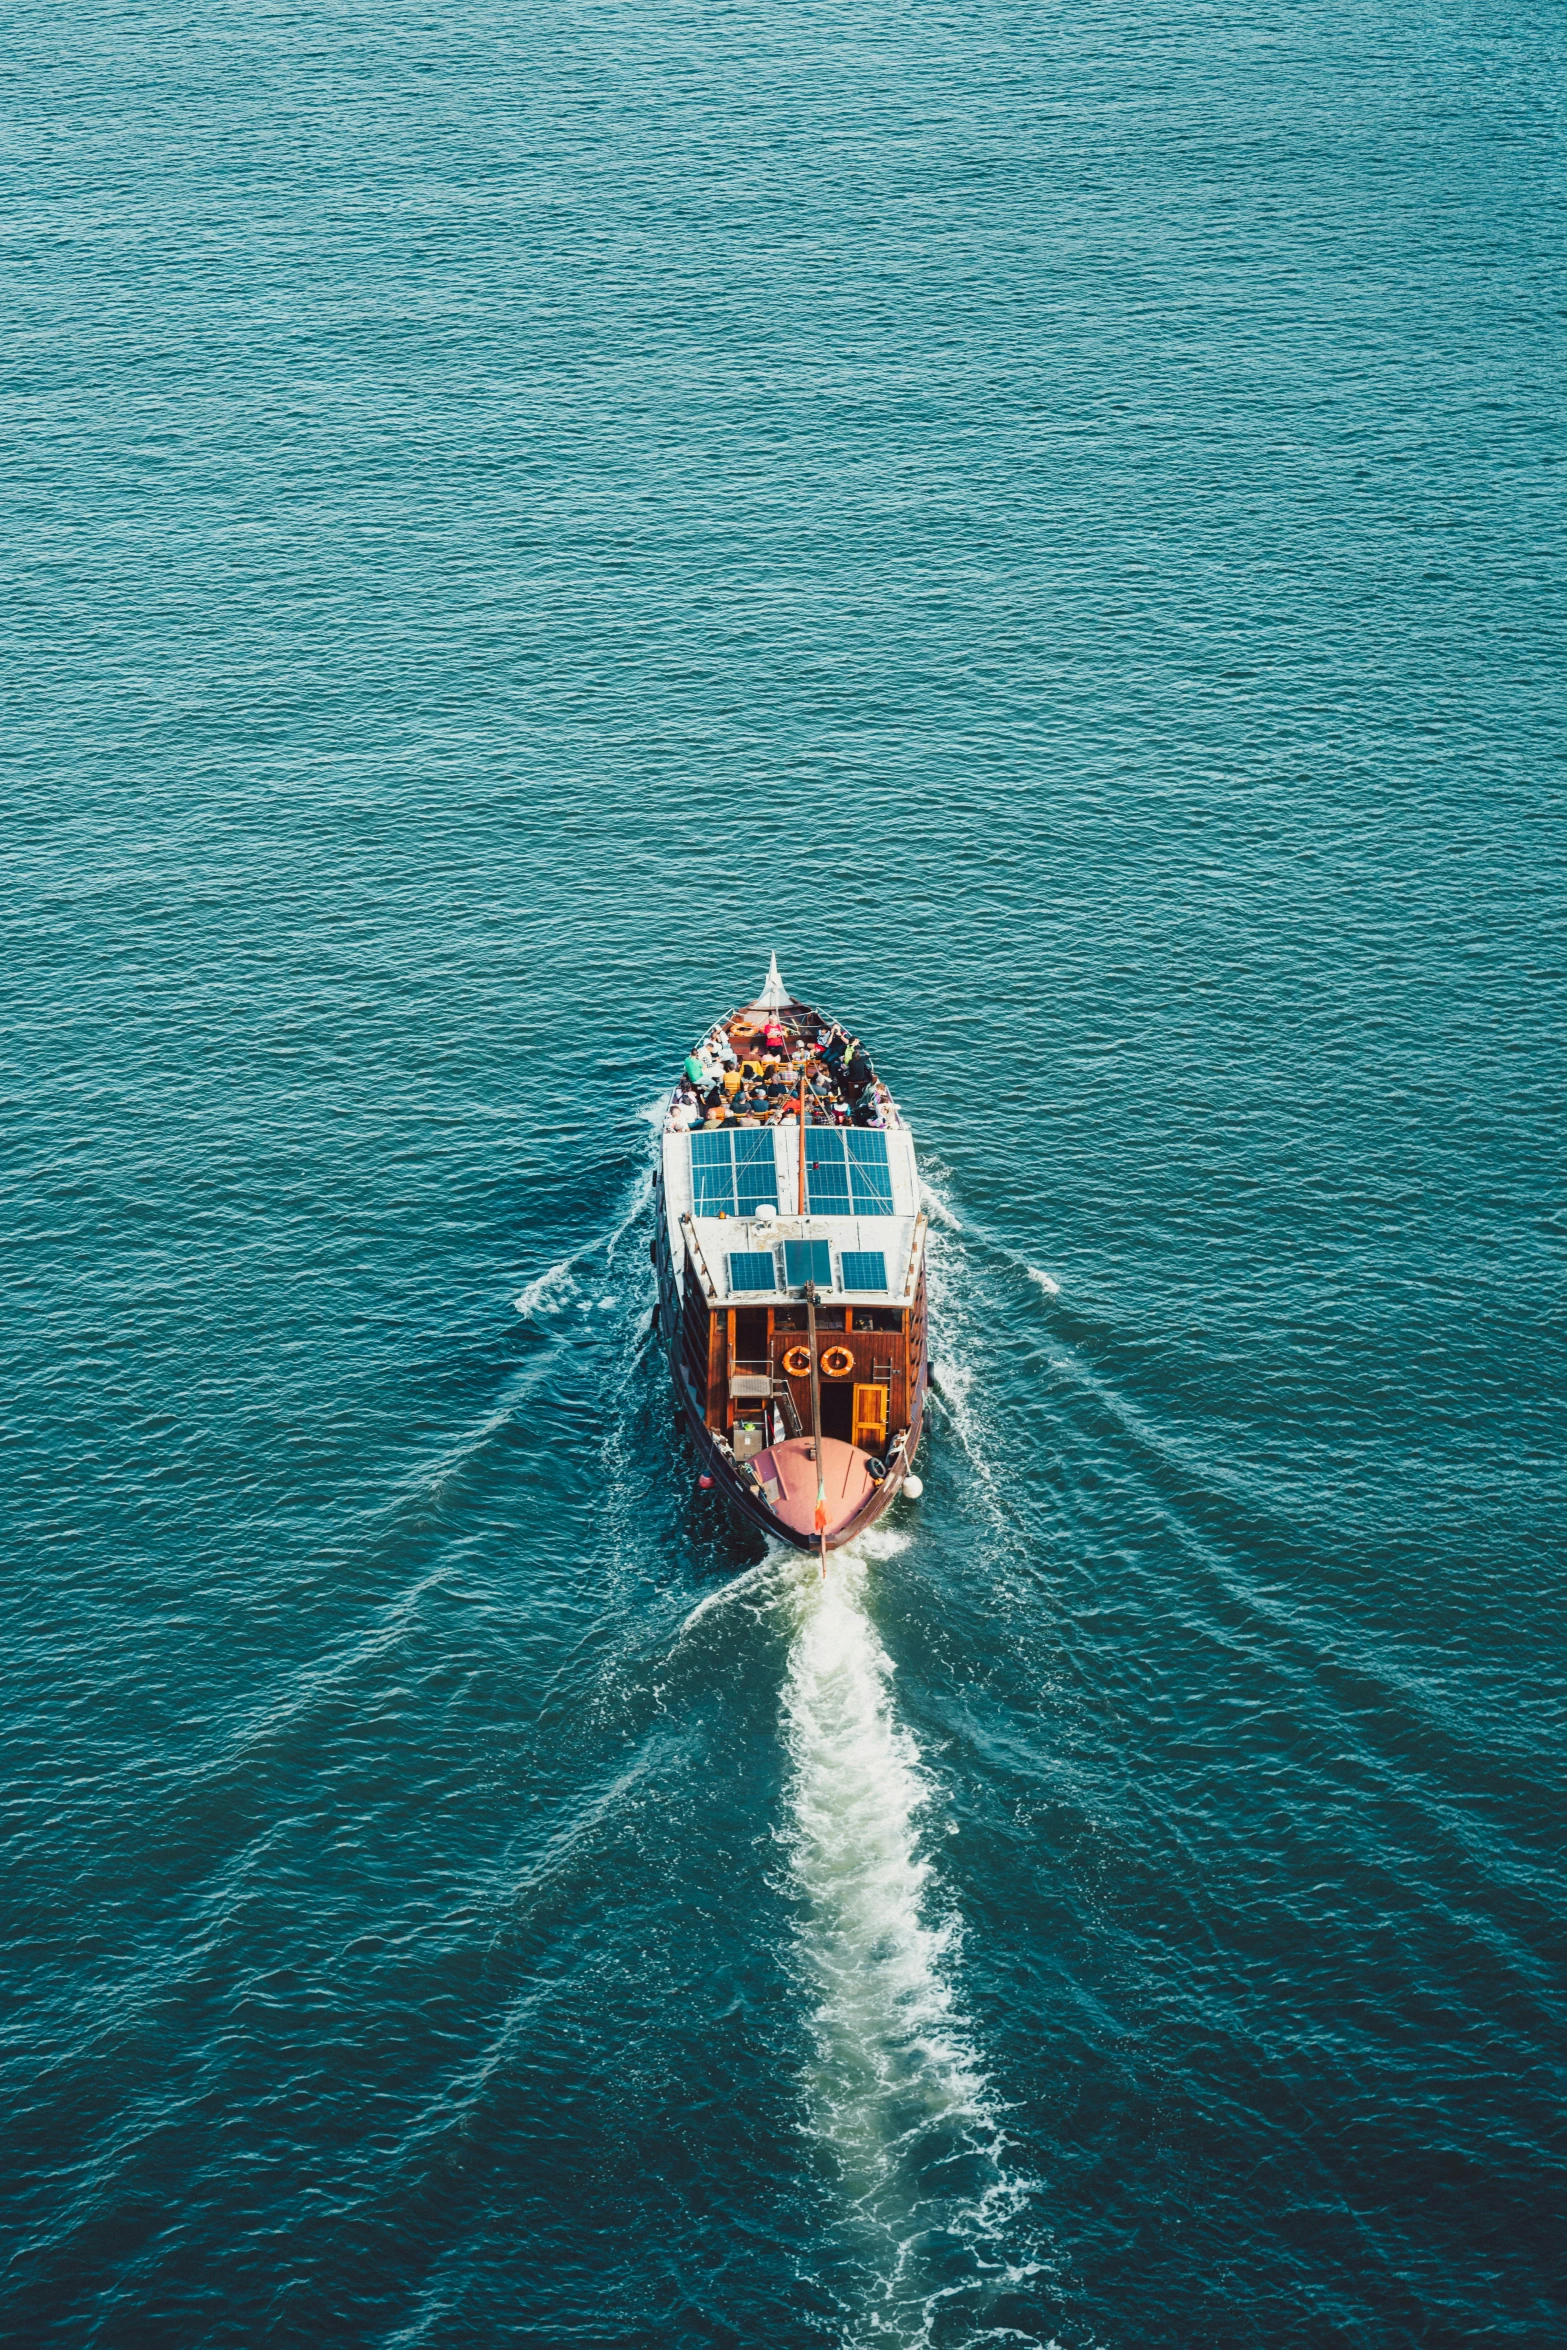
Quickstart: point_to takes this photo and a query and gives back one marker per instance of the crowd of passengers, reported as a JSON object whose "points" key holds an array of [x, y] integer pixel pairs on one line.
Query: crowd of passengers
{"points": [[758, 1082]]}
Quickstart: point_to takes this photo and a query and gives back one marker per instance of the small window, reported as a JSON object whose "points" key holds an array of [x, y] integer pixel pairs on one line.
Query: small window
{"points": [[807, 1260], [750, 1273], [864, 1268]]}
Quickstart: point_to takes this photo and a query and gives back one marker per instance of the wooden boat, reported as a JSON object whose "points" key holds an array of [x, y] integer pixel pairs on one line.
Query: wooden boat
{"points": [[790, 1251]]}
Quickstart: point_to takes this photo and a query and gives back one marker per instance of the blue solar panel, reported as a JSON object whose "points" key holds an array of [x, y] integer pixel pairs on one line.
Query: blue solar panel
{"points": [[847, 1172], [869, 1173], [807, 1260], [733, 1171], [752, 1272], [712, 1174], [864, 1268], [756, 1171], [826, 1171]]}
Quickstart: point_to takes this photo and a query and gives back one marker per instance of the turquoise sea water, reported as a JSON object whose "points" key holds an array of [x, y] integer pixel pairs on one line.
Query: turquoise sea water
{"points": [[1054, 523]]}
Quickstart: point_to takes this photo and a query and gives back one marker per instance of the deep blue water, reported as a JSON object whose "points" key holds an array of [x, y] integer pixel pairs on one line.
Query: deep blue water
{"points": [[1056, 524]]}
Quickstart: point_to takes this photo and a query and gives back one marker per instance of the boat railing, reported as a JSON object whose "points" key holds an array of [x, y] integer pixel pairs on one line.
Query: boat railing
{"points": [[920, 1222], [695, 1248]]}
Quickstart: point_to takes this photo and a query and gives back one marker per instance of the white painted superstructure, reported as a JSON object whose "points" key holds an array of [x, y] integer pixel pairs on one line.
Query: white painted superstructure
{"points": [[899, 1237]]}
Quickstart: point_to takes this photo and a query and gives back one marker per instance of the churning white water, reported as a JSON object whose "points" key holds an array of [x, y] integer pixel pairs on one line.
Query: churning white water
{"points": [[895, 2093]]}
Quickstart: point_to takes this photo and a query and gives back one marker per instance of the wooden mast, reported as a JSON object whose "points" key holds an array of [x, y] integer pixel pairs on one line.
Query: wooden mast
{"points": [[810, 1323], [816, 1424]]}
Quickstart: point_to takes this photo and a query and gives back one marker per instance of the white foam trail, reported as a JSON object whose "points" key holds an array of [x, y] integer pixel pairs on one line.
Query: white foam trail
{"points": [[952, 1326], [550, 1289], [641, 1193], [748, 1582], [1051, 1287], [954, 1384], [895, 2092], [541, 1294], [937, 1204]]}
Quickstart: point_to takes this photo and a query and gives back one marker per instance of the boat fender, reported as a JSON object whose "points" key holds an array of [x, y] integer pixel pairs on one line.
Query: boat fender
{"points": [[837, 1362], [875, 1470], [914, 1487], [797, 1362], [706, 1484]]}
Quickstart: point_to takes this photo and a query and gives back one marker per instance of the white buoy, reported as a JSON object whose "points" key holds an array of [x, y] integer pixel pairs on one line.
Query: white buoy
{"points": [[914, 1487]]}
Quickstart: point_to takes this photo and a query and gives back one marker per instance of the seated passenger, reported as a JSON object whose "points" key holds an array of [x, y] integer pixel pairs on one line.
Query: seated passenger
{"points": [[731, 1081]]}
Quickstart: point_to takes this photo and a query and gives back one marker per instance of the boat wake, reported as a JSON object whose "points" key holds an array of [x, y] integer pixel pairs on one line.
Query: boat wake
{"points": [[564, 1282], [547, 1289], [896, 2096]]}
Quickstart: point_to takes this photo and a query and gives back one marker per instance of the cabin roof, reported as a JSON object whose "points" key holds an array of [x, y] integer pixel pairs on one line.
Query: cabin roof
{"points": [[879, 1190]]}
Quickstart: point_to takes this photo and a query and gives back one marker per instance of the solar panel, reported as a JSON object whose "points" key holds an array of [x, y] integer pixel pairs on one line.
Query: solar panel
{"points": [[712, 1174], [826, 1171], [864, 1268], [756, 1170], [807, 1260], [847, 1171], [733, 1171], [869, 1174], [752, 1272]]}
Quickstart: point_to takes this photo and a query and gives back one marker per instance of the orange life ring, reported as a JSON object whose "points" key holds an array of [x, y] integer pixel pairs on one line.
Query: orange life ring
{"points": [[797, 1362], [837, 1362]]}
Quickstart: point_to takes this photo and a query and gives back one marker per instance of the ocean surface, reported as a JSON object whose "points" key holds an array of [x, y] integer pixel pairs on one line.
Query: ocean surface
{"points": [[1057, 524]]}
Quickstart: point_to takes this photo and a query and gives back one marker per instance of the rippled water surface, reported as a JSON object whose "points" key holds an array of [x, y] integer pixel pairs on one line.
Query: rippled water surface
{"points": [[1055, 524]]}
